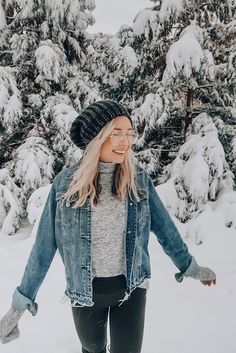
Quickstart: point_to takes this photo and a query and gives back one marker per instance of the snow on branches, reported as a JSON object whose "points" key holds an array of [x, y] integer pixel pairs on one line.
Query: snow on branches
{"points": [[144, 22], [176, 60], [185, 55], [200, 171], [3, 21], [35, 204], [170, 8], [50, 62], [59, 15], [11, 208], [112, 63], [10, 102], [21, 46], [151, 114], [70, 14], [82, 91], [232, 153], [33, 164], [60, 116]]}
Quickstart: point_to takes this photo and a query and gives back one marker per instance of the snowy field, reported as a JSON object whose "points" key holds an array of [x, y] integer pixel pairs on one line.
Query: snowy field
{"points": [[185, 317]]}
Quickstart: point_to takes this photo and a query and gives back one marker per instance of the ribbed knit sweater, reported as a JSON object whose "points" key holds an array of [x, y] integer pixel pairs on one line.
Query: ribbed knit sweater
{"points": [[108, 229]]}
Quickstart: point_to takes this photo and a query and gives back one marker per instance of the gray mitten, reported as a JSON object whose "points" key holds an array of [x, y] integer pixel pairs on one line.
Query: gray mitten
{"points": [[15, 333], [196, 272], [9, 325]]}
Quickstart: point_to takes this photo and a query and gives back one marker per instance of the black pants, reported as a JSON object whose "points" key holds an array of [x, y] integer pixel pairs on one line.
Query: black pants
{"points": [[126, 321]]}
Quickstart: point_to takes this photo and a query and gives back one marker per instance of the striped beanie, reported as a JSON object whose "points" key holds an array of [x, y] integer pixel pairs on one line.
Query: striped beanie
{"points": [[92, 119]]}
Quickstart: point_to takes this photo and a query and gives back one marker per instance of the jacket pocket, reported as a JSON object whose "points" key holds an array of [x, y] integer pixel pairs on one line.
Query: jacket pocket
{"points": [[67, 214], [143, 207]]}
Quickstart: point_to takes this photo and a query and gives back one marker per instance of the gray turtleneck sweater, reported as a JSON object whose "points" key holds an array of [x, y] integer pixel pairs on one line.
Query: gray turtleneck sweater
{"points": [[108, 226]]}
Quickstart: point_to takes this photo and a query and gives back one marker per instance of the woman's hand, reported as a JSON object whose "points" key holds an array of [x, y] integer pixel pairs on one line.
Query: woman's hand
{"points": [[203, 274], [9, 326], [209, 283]]}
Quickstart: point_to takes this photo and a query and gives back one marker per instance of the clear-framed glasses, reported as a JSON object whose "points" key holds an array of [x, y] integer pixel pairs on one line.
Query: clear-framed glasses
{"points": [[117, 137]]}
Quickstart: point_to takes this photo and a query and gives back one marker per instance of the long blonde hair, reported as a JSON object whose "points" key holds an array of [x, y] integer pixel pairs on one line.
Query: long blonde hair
{"points": [[85, 181]]}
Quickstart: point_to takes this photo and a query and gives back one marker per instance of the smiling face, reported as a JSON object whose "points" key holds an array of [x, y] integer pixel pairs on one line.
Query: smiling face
{"points": [[109, 152]]}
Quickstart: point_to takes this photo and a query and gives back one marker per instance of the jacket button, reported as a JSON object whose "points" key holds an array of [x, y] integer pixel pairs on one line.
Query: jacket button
{"points": [[131, 203], [129, 231], [67, 204]]}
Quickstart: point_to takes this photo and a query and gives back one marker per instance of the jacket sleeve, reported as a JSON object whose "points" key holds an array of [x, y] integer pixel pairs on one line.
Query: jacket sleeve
{"points": [[40, 258], [166, 231]]}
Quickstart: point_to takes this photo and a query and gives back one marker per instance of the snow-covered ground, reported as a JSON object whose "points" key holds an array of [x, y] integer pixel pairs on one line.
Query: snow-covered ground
{"points": [[180, 317]]}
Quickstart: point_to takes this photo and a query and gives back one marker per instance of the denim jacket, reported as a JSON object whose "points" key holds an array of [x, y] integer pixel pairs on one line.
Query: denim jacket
{"points": [[67, 229]]}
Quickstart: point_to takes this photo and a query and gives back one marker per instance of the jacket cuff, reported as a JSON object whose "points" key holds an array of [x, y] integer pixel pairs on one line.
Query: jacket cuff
{"points": [[20, 303], [191, 271]]}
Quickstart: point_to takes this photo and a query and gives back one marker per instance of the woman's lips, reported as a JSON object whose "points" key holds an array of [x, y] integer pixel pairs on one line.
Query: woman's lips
{"points": [[119, 152]]}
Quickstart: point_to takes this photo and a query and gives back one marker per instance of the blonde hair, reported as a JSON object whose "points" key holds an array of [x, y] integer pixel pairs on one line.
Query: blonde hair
{"points": [[85, 181]]}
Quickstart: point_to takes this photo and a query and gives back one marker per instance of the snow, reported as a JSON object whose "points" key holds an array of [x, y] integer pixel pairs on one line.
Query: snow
{"points": [[195, 175], [233, 112], [209, 64], [10, 100], [153, 112], [231, 64], [11, 208], [186, 54], [48, 61], [36, 203], [231, 26], [170, 7], [172, 202], [114, 44], [200, 170], [64, 115], [3, 21], [143, 21], [233, 152], [34, 163], [61, 12], [129, 58], [8, 201], [180, 317]]}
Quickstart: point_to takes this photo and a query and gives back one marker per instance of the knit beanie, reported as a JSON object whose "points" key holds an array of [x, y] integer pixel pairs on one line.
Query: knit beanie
{"points": [[92, 119]]}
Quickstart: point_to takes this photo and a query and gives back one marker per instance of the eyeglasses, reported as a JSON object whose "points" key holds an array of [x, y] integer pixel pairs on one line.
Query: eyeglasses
{"points": [[117, 137]]}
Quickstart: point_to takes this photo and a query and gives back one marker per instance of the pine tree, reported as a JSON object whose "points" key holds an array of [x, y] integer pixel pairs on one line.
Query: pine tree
{"points": [[174, 68], [41, 43], [181, 54], [200, 170]]}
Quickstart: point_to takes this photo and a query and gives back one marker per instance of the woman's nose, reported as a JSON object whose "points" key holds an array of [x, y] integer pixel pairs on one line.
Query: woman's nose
{"points": [[125, 137]]}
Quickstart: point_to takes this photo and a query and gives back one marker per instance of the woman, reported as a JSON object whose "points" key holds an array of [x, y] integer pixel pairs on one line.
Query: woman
{"points": [[99, 214]]}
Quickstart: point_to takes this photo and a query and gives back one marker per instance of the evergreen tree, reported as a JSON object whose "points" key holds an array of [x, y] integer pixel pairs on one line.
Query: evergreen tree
{"points": [[199, 172], [174, 68], [41, 44], [190, 64]]}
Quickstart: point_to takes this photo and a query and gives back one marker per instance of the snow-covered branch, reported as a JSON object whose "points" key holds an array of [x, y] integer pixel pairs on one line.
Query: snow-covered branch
{"points": [[10, 102]]}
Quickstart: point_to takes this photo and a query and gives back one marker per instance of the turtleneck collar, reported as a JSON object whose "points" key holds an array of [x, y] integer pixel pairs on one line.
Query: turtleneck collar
{"points": [[106, 167]]}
